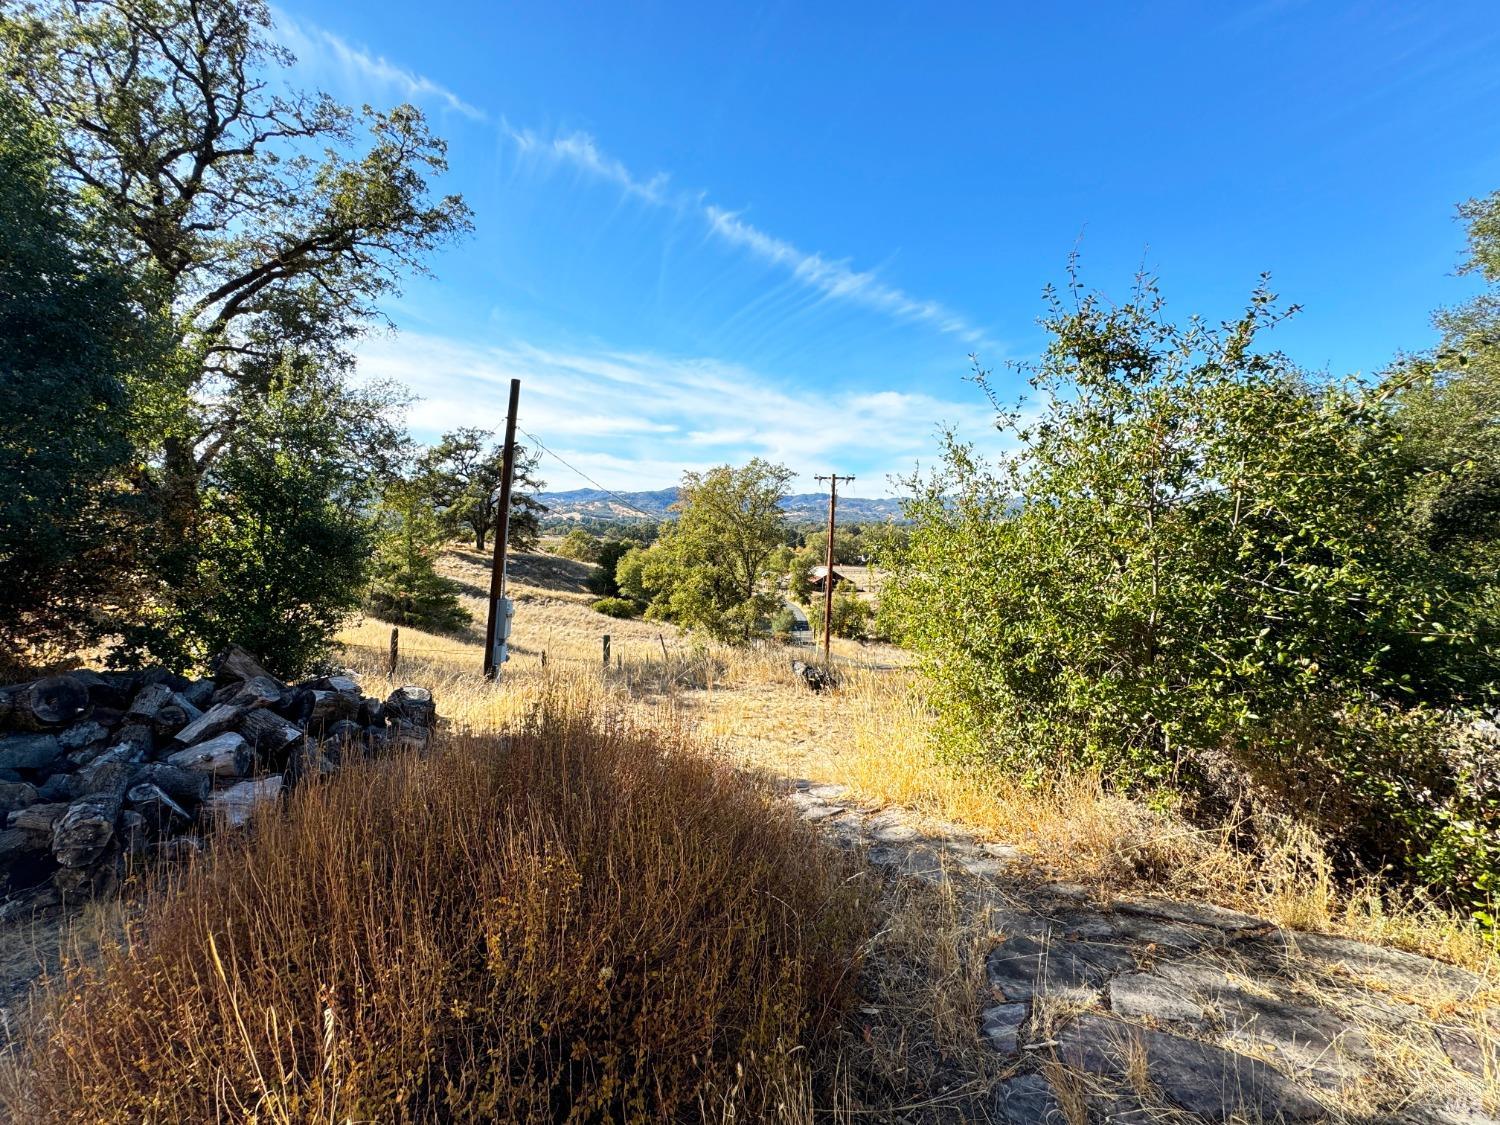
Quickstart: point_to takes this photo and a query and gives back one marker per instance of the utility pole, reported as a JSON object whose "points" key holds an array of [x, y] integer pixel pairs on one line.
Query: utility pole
{"points": [[497, 628], [833, 501]]}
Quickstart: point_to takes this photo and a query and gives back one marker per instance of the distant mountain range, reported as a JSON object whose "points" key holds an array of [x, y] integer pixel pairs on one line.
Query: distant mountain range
{"points": [[809, 507]]}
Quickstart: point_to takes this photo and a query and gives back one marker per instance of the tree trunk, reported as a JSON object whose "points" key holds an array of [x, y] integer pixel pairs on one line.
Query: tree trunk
{"points": [[479, 538]]}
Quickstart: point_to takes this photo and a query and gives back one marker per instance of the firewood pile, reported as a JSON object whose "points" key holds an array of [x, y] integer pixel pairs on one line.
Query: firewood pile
{"points": [[98, 767]]}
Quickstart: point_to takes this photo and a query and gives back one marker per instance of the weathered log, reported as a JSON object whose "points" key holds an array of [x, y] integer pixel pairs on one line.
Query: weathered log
{"points": [[58, 787], [50, 702], [16, 795], [262, 691], [29, 751], [156, 805], [83, 736], [138, 735], [86, 829], [113, 690], [186, 787], [234, 663], [412, 703], [111, 772], [17, 843], [213, 722], [268, 732], [816, 677], [198, 693], [227, 755], [409, 736], [135, 833], [178, 713], [36, 818], [234, 807], [330, 707], [148, 703]]}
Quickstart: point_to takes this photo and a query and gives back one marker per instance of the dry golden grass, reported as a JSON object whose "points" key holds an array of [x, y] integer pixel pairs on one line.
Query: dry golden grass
{"points": [[875, 736], [578, 920]]}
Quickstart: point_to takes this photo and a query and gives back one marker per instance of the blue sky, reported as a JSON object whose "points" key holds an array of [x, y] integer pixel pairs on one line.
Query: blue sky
{"points": [[706, 232]]}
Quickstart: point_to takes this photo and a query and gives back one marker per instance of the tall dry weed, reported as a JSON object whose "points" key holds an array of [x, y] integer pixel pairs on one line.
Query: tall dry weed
{"points": [[575, 922]]}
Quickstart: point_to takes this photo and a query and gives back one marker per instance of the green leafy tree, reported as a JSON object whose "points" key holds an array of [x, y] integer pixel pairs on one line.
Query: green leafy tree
{"points": [[70, 342], [712, 567], [463, 473], [1198, 564], [266, 224], [851, 616], [1450, 410], [284, 536], [579, 544], [405, 587]]}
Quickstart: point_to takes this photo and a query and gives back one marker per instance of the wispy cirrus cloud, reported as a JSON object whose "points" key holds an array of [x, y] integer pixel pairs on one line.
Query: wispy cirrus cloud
{"points": [[322, 50], [637, 420], [833, 279], [581, 152]]}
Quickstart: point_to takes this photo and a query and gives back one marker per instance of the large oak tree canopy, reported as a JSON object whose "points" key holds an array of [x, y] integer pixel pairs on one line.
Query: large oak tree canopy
{"points": [[255, 215]]}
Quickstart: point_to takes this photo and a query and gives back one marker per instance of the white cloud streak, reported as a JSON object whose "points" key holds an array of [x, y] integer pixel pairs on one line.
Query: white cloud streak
{"points": [[635, 420], [322, 50], [833, 279]]}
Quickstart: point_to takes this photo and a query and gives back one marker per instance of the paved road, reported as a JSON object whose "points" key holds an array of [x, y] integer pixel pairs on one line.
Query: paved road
{"points": [[802, 634]]}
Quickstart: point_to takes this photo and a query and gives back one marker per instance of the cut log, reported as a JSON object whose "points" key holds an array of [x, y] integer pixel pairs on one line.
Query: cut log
{"points": [[186, 787], [268, 732], [234, 663], [215, 721], [330, 707], [227, 755], [36, 818], [82, 834], [51, 702], [410, 736], [17, 843], [29, 751], [412, 703], [58, 787], [111, 772], [262, 691], [135, 833], [83, 736], [234, 807], [199, 692], [156, 805], [16, 795], [148, 703]]}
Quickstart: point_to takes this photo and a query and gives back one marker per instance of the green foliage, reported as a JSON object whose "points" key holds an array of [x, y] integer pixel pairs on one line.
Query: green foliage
{"points": [[405, 587], [579, 544], [266, 225], [278, 555], [617, 607], [713, 566], [604, 581], [799, 581], [1198, 567], [462, 474], [783, 624], [69, 340], [851, 615]]}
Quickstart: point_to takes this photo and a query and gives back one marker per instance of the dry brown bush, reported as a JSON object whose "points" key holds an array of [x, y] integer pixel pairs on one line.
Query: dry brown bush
{"points": [[575, 922]]}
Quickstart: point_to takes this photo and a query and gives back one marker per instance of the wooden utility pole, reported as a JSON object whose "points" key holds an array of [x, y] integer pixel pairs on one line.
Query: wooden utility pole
{"points": [[833, 502], [502, 533]]}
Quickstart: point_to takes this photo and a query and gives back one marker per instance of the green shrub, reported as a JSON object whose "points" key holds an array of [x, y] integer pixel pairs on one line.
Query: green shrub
{"points": [[1198, 570], [617, 607]]}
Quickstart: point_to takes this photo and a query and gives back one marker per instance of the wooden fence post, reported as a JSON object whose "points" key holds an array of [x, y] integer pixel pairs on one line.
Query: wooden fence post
{"points": [[395, 648], [606, 652]]}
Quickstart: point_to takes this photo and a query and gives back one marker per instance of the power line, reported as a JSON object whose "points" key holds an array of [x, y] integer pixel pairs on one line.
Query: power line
{"points": [[613, 495]]}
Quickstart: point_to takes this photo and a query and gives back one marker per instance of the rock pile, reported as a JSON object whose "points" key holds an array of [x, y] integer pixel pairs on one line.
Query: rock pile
{"points": [[97, 766]]}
